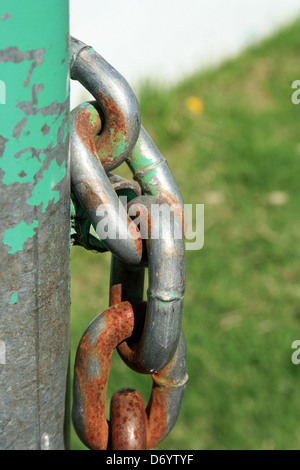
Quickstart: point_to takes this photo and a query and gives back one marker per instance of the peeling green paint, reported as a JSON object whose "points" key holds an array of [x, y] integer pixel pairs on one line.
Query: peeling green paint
{"points": [[94, 116], [43, 191], [162, 379], [137, 161], [13, 299], [36, 115], [116, 145], [16, 173], [15, 237], [145, 181], [171, 296], [34, 164]]}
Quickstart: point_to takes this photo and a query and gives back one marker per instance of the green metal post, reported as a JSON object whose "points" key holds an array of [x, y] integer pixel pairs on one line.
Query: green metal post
{"points": [[34, 223]]}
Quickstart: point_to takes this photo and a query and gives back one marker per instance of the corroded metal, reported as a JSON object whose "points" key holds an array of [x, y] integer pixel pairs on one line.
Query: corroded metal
{"points": [[168, 386], [118, 104], [166, 266], [93, 189], [147, 334], [34, 224], [167, 392], [150, 169], [128, 421], [131, 427], [82, 232], [124, 187], [91, 371]]}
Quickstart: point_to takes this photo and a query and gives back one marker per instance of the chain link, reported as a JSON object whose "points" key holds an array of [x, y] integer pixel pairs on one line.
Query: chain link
{"points": [[147, 334]]}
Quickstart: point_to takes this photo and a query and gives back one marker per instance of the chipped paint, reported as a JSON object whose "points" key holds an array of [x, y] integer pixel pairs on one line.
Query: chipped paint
{"points": [[15, 237], [114, 148], [6, 16], [139, 159], [34, 207], [44, 192], [148, 187], [13, 299], [25, 69]]}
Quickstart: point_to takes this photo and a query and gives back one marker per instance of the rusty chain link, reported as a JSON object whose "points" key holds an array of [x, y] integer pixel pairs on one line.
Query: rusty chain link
{"points": [[147, 334]]}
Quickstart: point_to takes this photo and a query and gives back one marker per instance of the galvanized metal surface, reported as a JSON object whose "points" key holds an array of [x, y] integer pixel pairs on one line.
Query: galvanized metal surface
{"points": [[34, 224], [93, 189], [166, 270], [150, 169], [82, 232], [115, 98]]}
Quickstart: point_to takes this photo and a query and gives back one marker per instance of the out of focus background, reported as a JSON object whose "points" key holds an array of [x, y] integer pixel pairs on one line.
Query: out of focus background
{"points": [[214, 83]]}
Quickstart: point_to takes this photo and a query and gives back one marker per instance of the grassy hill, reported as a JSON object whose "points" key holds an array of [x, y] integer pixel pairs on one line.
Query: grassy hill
{"points": [[232, 140]]}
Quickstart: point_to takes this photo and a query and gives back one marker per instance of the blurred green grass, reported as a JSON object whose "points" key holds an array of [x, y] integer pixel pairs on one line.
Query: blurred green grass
{"points": [[240, 157]]}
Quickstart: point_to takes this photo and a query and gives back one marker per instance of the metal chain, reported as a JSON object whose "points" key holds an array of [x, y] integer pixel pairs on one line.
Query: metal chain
{"points": [[147, 334]]}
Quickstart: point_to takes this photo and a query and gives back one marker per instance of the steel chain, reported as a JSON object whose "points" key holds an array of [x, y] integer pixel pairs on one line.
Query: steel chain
{"points": [[148, 335]]}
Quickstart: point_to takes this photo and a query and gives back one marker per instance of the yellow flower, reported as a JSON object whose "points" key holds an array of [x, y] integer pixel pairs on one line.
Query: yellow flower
{"points": [[195, 105]]}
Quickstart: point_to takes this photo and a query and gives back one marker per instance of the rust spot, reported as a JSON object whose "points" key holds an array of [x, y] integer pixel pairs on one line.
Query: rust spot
{"points": [[136, 237], [176, 206], [157, 408], [128, 421], [120, 184], [115, 124], [89, 194], [132, 357], [118, 326], [157, 415], [144, 216], [45, 129], [116, 116], [87, 129], [115, 294]]}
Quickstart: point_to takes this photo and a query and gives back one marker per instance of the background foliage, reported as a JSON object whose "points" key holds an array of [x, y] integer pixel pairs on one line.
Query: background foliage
{"points": [[231, 138]]}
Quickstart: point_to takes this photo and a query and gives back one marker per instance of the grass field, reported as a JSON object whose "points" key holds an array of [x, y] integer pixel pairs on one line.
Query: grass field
{"points": [[232, 140]]}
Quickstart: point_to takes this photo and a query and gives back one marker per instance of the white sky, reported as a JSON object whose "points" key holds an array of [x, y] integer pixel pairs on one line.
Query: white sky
{"points": [[167, 39]]}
